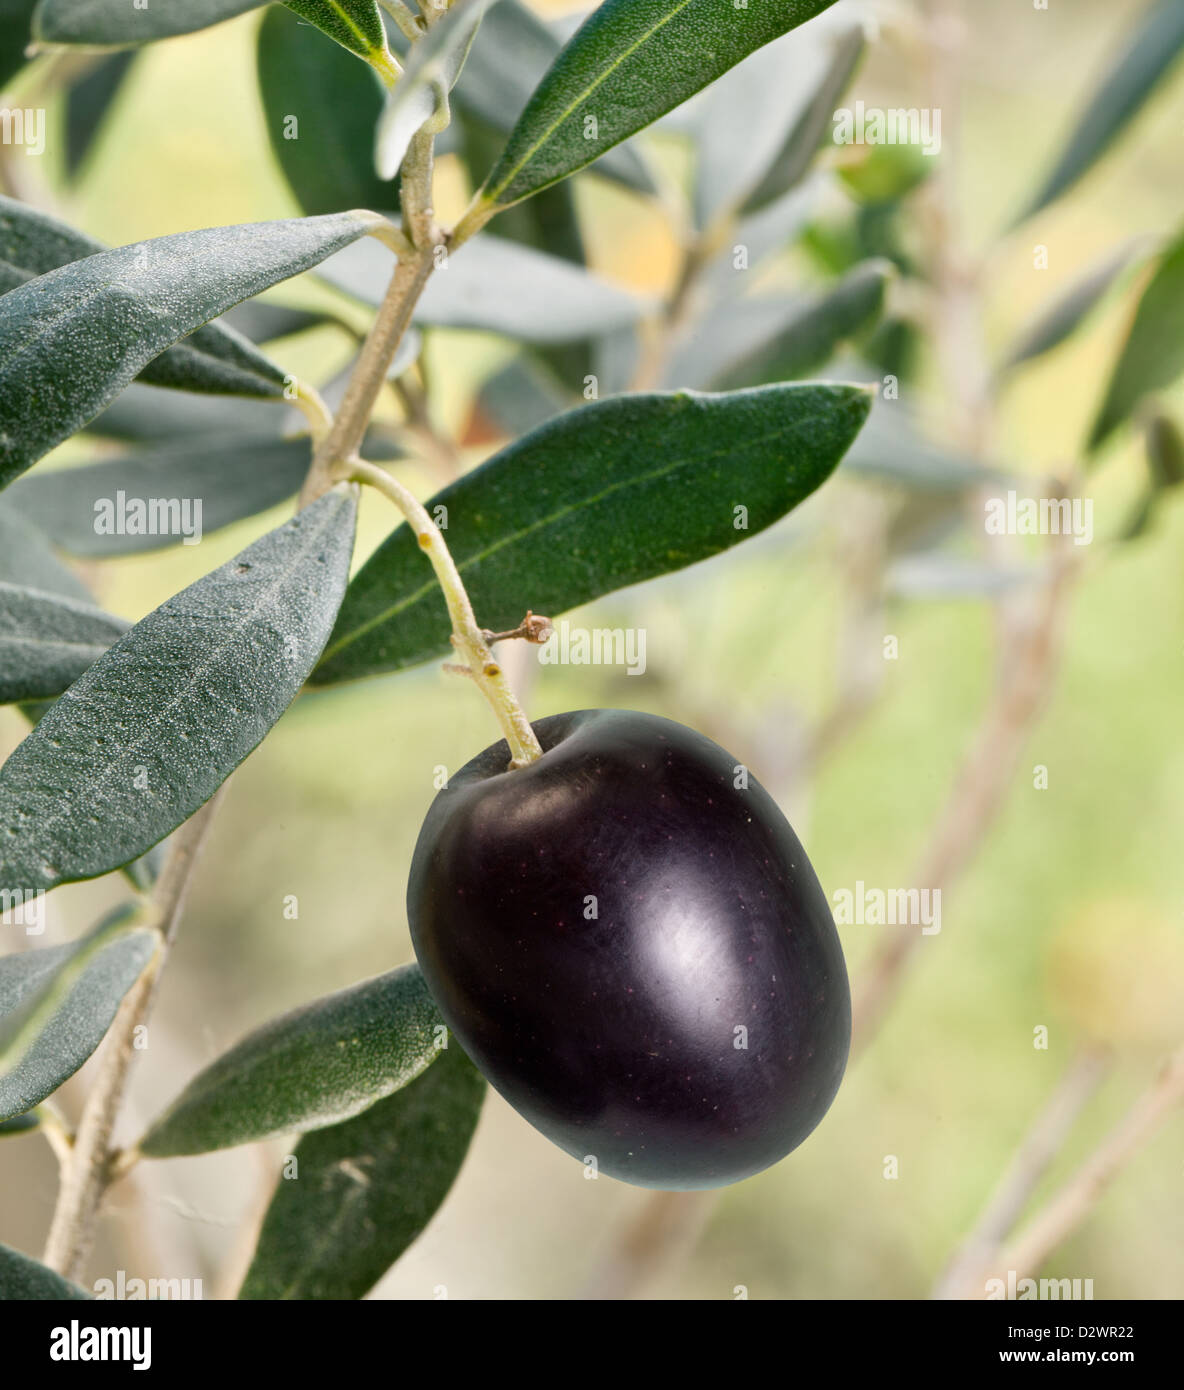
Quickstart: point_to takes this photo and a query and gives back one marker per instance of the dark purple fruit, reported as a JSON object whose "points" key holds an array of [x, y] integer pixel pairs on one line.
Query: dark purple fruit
{"points": [[634, 950]]}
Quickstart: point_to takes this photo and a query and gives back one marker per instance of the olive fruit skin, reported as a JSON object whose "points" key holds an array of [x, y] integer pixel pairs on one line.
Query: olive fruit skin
{"points": [[634, 951]]}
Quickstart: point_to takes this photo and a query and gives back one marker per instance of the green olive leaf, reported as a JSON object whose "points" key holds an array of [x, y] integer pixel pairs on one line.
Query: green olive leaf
{"points": [[56, 1004], [628, 64], [153, 728], [500, 287], [321, 107], [72, 339], [89, 102], [47, 641], [361, 1192], [1152, 356], [316, 1066], [759, 127], [1057, 321], [502, 70], [765, 338], [24, 1279], [16, 19], [171, 494], [355, 24], [607, 495], [1155, 45], [26, 557], [118, 23], [215, 358]]}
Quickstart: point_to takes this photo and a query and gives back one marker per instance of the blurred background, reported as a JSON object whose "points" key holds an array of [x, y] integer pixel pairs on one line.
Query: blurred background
{"points": [[1065, 908]]}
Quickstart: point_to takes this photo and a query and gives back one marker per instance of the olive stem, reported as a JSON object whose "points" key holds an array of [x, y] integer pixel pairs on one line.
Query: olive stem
{"points": [[467, 637], [88, 1172]]}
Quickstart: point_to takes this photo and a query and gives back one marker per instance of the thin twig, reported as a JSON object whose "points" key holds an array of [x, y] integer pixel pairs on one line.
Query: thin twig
{"points": [[1078, 1197], [88, 1174], [468, 637], [1039, 1148], [979, 789]]}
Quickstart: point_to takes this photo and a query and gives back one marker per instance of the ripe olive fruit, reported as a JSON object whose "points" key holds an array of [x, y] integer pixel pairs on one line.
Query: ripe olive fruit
{"points": [[628, 940]]}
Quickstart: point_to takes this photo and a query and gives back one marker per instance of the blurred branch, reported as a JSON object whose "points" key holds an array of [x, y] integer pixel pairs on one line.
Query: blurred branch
{"points": [[964, 1276], [90, 1171], [1077, 1198], [667, 1226], [979, 788]]}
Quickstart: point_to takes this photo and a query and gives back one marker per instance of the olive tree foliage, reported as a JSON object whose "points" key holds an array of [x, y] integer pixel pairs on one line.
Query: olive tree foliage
{"points": [[710, 412]]}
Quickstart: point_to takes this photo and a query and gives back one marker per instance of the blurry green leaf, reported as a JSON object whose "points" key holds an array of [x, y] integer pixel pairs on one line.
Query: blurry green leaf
{"points": [[1165, 452], [26, 557], [155, 726], [753, 341], [15, 25], [629, 63], [519, 398], [46, 641], [502, 71], [56, 1005], [88, 104], [144, 414], [316, 1066], [892, 448], [1155, 45], [20, 1124], [800, 146], [321, 107], [876, 174], [24, 1279], [115, 23], [1068, 311], [1153, 355], [365, 1190], [214, 358], [172, 494], [421, 93], [72, 339], [547, 222], [355, 24], [756, 239], [608, 495], [500, 287], [742, 119], [263, 321]]}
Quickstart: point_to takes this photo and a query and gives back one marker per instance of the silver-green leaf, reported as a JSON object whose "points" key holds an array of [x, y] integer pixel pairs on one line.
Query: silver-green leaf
{"points": [[171, 494], [1152, 356], [24, 1279], [155, 726], [500, 287], [365, 1189], [72, 339], [1154, 47], [213, 359], [56, 1004], [47, 641], [316, 1066]]}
